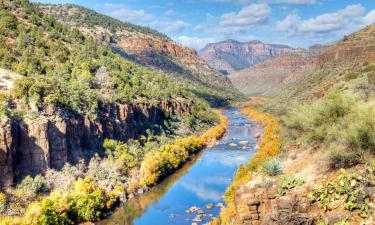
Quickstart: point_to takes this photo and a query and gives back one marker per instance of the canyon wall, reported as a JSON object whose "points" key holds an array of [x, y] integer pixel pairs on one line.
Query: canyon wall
{"points": [[30, 147]]}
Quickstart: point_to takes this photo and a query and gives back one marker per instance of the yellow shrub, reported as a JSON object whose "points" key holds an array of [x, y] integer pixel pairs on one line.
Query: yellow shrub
{"points": [[269, 147], [162, 162]]}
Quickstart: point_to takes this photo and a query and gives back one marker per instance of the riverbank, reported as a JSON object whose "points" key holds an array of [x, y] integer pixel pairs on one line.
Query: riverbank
{"points": [[304, 183], [194, 193], [270, 146], [85, 200]]}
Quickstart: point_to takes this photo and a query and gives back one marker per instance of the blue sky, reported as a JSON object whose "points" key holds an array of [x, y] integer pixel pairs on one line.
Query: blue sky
{"points": [[194, 23]]}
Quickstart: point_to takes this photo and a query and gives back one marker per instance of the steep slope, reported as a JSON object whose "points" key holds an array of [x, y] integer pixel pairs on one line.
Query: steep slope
{"points": [[325, 141], [146, 47], [63, 94], [231, 55], [273, 76], [342, 61]]}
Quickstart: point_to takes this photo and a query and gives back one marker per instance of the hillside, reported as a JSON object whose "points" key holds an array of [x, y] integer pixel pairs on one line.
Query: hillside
{"points": [[316, 160], [230, 55], [273, 76], [149, 48], [343, 61], [63, 94]]}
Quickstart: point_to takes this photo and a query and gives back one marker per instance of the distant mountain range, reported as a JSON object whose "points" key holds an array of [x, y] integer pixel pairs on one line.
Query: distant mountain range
{"points": [[231, 55]]}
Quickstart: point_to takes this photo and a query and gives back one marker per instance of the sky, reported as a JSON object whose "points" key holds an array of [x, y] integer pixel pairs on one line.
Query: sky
{"points": [[195, 23]]}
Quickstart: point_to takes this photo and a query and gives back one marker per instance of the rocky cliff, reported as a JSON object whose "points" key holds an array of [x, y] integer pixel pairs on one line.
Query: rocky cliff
{"points": [[230, 55], [273, 76], [357, 47], [30, 147]]}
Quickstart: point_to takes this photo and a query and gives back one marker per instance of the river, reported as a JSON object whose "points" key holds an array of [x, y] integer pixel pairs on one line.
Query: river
{"points": [[201, 181]]}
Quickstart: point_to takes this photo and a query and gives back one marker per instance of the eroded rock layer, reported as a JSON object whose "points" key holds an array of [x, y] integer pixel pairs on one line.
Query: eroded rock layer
{"points": [[30, 147]]}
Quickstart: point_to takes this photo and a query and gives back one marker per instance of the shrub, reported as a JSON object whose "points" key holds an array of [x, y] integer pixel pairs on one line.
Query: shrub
{"points": [[55, 209], [34, 185], [89, 201], [273, 167], [161, 162], [3, 201], [119, 151], [353, 137]]}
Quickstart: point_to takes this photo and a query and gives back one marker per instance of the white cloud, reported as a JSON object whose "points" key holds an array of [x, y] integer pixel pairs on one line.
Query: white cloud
{"points": [[194, 42], [125, 13], [170, 26], [248, 16], [337, 23], [369, 18], [170, 13]]}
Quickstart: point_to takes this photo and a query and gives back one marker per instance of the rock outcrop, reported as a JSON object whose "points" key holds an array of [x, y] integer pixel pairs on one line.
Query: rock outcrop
{"points": [[357, 47], [30, 147], [259, 206], [230, 55]]}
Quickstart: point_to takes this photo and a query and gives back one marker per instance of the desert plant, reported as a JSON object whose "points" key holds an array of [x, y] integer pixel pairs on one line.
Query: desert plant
{"points": [[273, 167]]}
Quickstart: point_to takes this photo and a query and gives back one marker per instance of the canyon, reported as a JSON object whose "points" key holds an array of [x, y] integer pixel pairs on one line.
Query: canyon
{"points": [[30, 147]]}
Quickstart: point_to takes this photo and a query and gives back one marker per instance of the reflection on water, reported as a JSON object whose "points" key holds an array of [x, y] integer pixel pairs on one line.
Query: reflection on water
{"points": [[201, 181]]}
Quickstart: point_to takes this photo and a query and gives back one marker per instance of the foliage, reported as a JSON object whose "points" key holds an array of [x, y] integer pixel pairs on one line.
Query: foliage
{"points": [[350, 188], [163, 161], [34, 185], [273, 167], [269, 148], [120, 151], [315, 118], [84, 202], [62, 67], [89, 201], [3, 201], [345, 124], [289, 182]]}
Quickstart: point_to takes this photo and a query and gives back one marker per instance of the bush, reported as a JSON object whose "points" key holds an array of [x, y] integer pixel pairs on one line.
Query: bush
{"points": [[3, 201], [89, 201], [34, 185], [273, 167], [54, 210], [354, 136], [161, 162], [119, 151]]}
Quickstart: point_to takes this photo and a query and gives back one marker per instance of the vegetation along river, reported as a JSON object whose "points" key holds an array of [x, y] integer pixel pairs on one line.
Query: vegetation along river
{"points": [[201, 182]]}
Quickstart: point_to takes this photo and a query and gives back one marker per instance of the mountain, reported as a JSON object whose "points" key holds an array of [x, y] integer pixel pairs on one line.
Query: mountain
{"points": [[273, 76], [147, 47], [231, 55], [343, 61]]}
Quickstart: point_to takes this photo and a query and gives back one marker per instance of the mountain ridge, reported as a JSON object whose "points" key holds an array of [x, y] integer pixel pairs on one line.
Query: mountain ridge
{"points": [[231, 55], [146, 47]]}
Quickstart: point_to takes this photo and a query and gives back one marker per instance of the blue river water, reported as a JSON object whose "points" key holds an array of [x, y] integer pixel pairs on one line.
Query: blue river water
{"points": [[201, 181]]}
